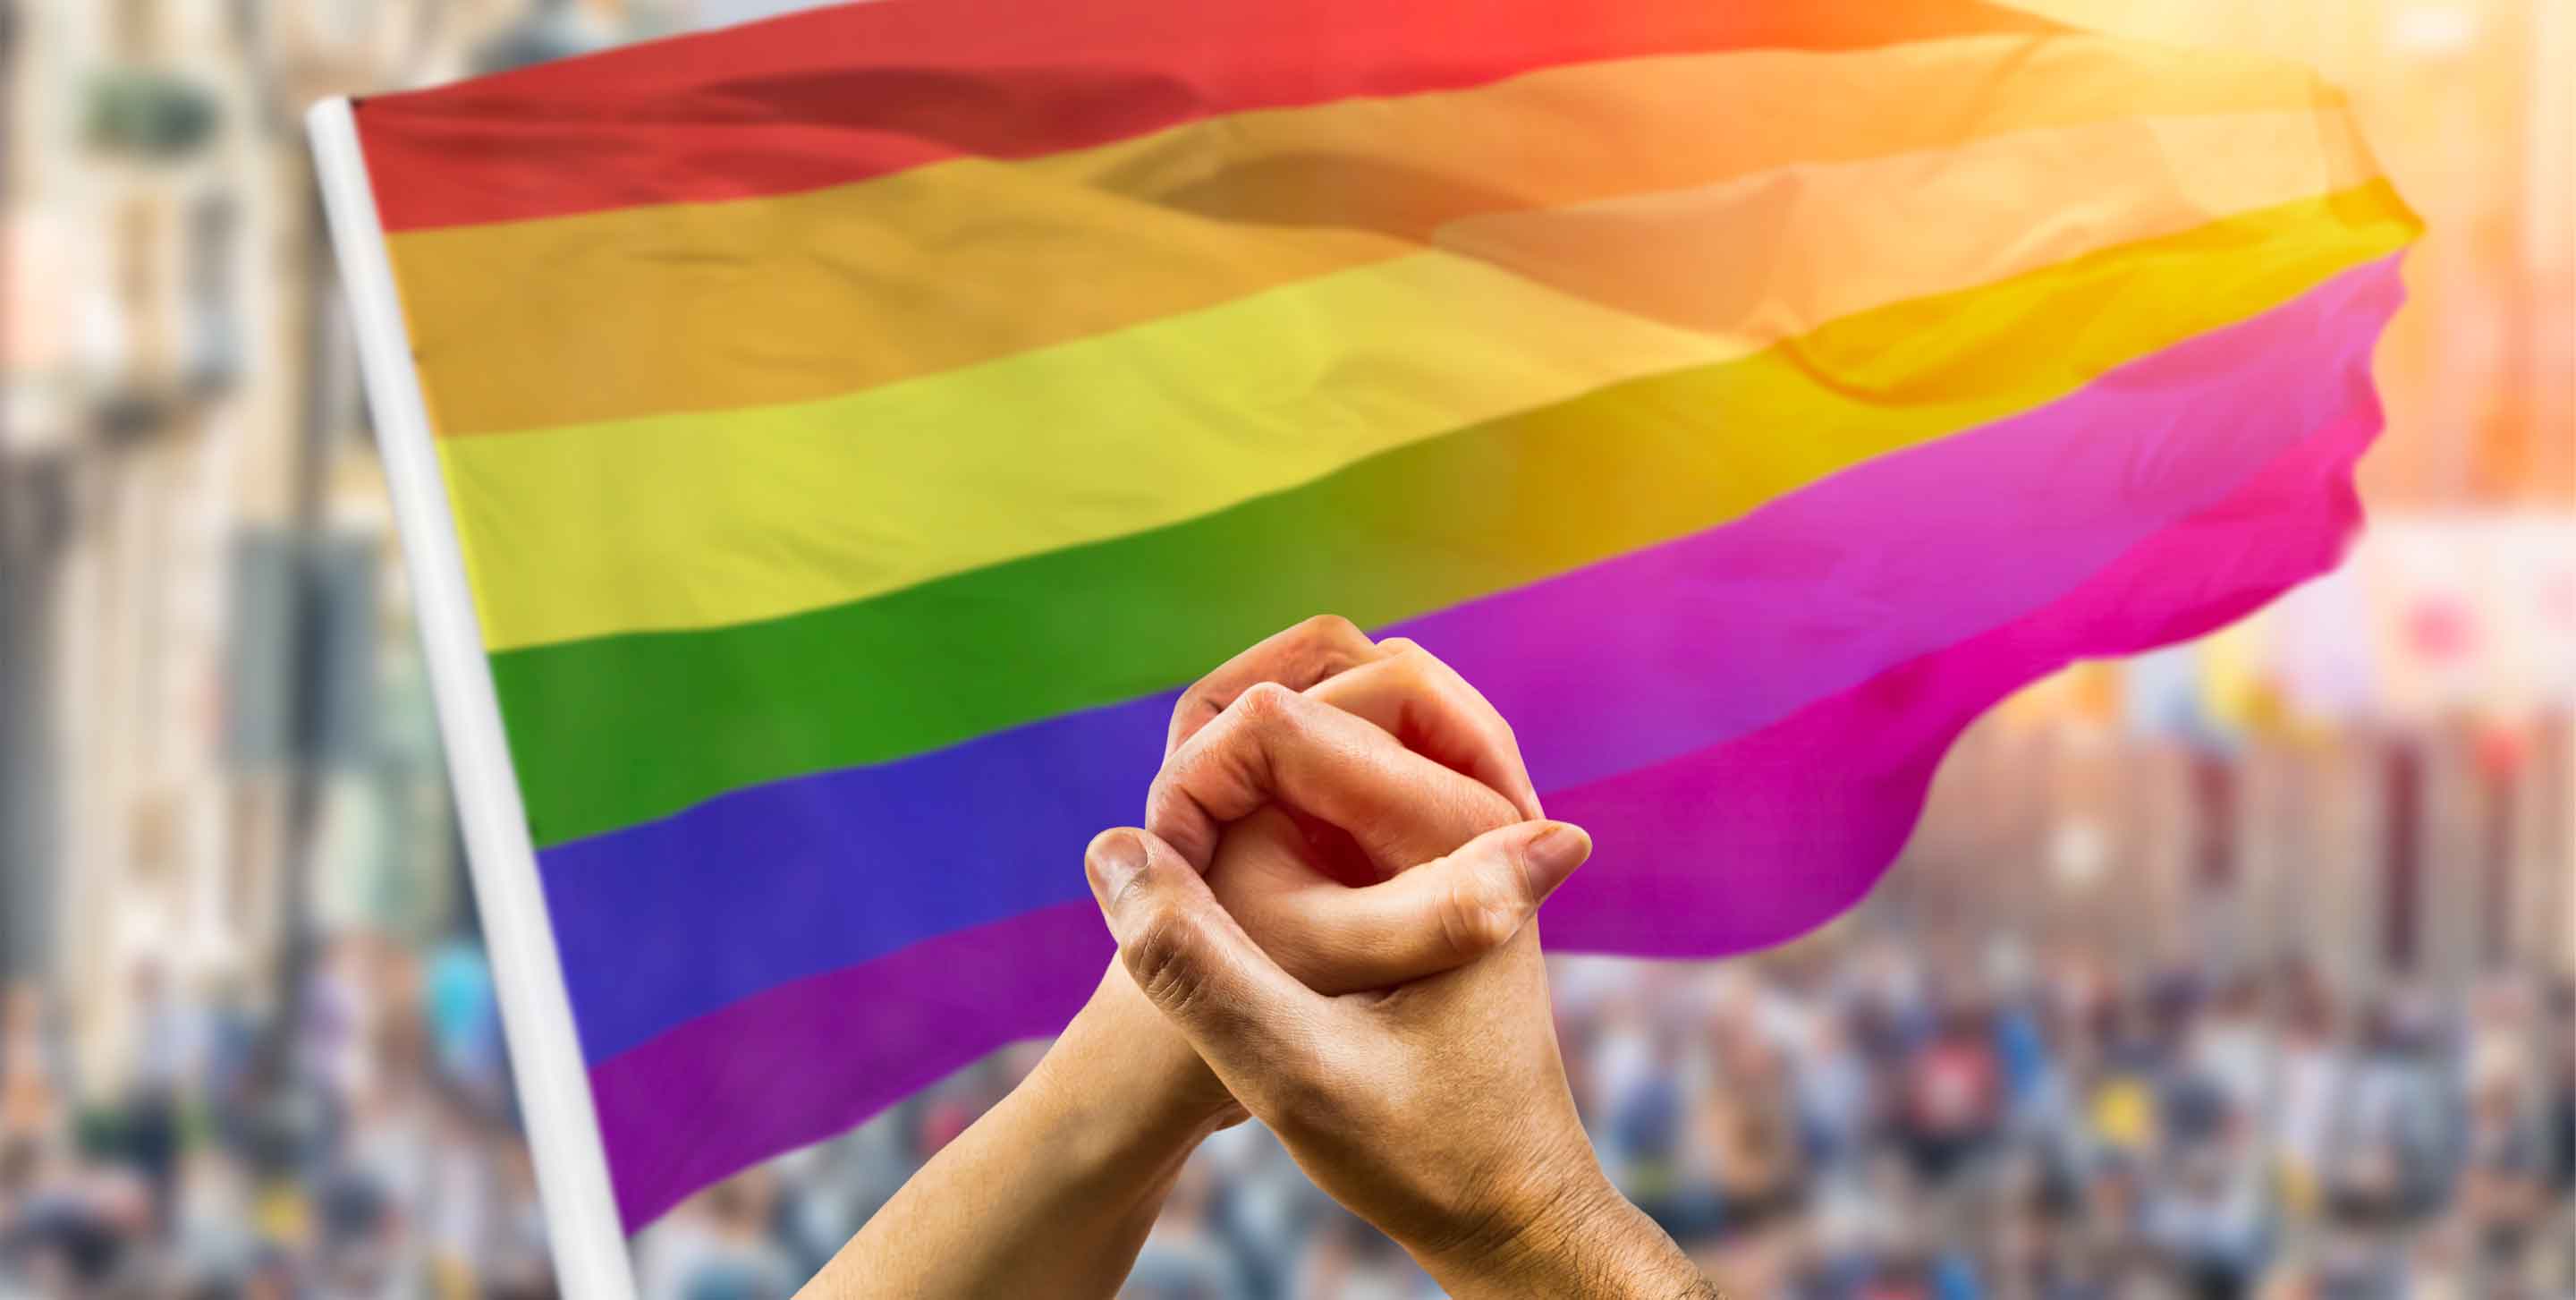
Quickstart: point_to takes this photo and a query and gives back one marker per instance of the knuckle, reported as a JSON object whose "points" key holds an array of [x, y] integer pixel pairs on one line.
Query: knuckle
{"points": [[1410, 653], [1323, 647], [1167, 794], [1264, 704], [1429, 669], [1326, 629], [1407, 660], [1195, 703], [1426, 676], [1165, 806], [1165, 958], [1478, 913]]}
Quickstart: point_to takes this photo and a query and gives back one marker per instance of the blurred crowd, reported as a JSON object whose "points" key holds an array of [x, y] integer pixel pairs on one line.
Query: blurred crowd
{"points": [[372, 1153], [1873, 1125], [1845, 1118], [1840, 1122]]}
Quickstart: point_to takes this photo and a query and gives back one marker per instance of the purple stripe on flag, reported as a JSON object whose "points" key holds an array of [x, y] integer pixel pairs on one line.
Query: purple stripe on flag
{"points": [[1743, 844], [805, 1060], [1615, 666]]}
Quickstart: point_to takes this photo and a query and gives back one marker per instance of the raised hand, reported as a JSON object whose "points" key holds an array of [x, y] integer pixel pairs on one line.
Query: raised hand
{"points": [[1310, 811], [1318, 779], [1437, 1110], [1321, 781]]}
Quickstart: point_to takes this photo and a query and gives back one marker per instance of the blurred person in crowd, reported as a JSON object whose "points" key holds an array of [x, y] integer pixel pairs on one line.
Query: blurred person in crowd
{"points": [[2230, 1046], [2389, 1141], [212, 1247], [946, 1114], [228, 1064], [2561, 1055], [1346, 1259], [2439, 1266], [1884, 993], [2208, 1212], [1648, 1119], [1184, 1257], [359, 1239], [1265, 1207], [160, 1063], [1837, 1099], [2356, 1264], [716, 1246], [33, 1127], [389, 1140], [1622, 1052], [1950, 1103], [2311, 1067], [336, 1026], [464, 1021], [2558, 1265], [1878, 1242], [2121, 1093], [35, 1073], [830, 1189], [2036, 1246], [2114, 1196], [455, 1192], [2033, 1088], [2504, 1190], [1749, 1120], [513, 1258], [78, 1226]]}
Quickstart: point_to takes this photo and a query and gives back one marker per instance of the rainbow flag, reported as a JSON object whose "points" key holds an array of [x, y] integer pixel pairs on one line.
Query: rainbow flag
{"points": [[859, 425]]}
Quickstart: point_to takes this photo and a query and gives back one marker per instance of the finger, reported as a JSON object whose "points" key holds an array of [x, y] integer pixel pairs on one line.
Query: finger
{"points": [[1437, 916], [1247, 1018], [1436, 713], [1296, 658], [1273, 745]]}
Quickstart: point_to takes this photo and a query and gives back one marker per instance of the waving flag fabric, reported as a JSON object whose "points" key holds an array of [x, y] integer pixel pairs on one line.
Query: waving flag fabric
{"points": [[860, 424]]}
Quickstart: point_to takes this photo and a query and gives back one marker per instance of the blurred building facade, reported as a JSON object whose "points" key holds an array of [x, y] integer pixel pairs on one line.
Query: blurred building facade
{"points": [[2468, 104], [207, 685]]}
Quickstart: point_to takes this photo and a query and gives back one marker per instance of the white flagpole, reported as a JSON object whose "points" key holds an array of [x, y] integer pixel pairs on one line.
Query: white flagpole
{"points": [[582, 1224]]}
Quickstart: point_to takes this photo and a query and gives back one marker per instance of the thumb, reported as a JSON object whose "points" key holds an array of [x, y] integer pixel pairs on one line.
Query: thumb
{"points": [[1246, 1017]]}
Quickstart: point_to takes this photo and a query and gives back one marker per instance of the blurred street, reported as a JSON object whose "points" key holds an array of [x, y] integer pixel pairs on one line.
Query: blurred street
{"points": [[2244, 968]]}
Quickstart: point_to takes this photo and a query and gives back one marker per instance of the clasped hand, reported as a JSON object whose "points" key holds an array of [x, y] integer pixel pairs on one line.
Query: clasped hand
{"points": [[1326, 920]]}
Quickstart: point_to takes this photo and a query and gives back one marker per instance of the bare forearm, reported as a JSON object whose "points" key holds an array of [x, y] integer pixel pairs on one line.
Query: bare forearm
{"points": [[1589, 1245], [1050, 1193]]}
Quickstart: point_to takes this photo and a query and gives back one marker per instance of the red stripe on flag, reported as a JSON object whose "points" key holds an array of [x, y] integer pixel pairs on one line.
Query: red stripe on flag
{"points": [[843, 94]]}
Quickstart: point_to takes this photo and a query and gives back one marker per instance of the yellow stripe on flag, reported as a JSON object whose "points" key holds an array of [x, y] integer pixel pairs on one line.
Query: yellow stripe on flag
{"points": [[705, 519]]}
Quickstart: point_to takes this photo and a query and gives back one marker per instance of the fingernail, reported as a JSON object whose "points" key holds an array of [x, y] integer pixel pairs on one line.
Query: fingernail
{"points": [[1114, 859], [1554, 852]]}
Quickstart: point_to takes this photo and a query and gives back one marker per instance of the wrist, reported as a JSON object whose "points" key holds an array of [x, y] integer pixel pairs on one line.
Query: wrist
{"points": [[1051, 1192], [1581, 1240], [1122, 1057]]}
